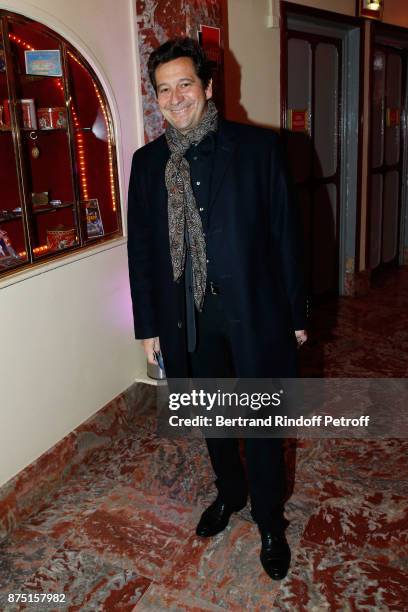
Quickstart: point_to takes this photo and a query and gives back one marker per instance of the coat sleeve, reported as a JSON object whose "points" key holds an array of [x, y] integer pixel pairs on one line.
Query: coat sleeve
{"points": [[287, 235], [140, 255]]}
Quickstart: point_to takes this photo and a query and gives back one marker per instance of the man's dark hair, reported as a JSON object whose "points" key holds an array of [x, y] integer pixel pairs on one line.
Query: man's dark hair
{"points": [[180, 47]]}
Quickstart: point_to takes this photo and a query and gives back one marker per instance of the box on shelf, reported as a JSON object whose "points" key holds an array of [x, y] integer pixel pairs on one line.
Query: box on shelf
{"points": [[5, 121], [28, 113], [61, 237], [52, 118], [41, 198]]}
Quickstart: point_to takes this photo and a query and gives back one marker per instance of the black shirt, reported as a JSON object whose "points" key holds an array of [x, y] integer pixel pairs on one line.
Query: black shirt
{"points": [[201, 160]]}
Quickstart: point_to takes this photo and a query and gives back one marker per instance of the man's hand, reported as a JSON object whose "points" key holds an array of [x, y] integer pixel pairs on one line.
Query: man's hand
{"points": [[301, 336], [150, 345]]}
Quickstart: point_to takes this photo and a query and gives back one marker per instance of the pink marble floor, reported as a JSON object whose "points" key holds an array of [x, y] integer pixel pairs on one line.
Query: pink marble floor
{"points": [[119, 534]]}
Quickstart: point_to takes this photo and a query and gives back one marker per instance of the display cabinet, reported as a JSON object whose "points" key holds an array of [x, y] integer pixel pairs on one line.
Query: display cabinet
{"points": [[58, 171]]}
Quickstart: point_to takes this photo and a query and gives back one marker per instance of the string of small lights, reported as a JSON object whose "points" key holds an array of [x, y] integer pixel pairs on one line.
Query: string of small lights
{"points": [[105, 116], [18, 40], [111, 172]]}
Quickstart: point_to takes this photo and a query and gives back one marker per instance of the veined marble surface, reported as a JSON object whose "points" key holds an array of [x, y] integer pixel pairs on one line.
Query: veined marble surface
{"points": [[119, 533], [157, 22]]}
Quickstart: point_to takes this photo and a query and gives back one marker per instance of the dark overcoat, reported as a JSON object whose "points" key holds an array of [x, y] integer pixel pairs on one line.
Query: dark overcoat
{"points": [[254, 239]]}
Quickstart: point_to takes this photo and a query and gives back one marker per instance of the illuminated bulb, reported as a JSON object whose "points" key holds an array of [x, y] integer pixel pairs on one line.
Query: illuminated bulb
{"points": [[36, 250], [374, 6]]}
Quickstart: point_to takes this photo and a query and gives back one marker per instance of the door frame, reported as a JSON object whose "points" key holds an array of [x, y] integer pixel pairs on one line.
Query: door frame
{"points": [[393, 37], [350, 31]]}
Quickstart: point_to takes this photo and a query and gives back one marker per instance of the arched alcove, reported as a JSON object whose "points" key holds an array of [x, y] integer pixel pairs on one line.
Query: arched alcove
{"points": [[58, 168]]}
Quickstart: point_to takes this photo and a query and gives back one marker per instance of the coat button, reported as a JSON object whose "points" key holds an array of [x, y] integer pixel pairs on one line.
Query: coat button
{"points": [[179, 325]]}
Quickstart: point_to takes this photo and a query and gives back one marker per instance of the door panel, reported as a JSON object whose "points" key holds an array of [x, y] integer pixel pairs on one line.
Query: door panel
{"points": [[299, 62], [377, 110], [314, 88], [304, 199], [325, 111], [390, 217], [376, 219], [393, 100], [389, 65], [299, 97], [324, 248]]}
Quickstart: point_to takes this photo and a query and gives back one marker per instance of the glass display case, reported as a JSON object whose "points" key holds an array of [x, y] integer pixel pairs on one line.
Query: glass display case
{"points": [[58, 172]]}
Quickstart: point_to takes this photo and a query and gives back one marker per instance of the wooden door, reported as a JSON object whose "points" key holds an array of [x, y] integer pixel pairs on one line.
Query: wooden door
{"points": [[314, 149]]}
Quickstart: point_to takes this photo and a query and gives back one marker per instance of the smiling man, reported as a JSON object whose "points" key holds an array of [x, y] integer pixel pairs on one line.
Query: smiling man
{"points": [[215, 271]]}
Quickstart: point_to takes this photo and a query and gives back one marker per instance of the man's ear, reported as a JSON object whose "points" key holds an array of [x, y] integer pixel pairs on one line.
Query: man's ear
{"points": [[209, 91]]}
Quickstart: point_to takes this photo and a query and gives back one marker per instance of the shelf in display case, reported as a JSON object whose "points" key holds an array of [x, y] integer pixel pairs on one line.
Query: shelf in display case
{"points": [[36, 77], [52, 209], [42, 130], [33, 118], [11, 216]]}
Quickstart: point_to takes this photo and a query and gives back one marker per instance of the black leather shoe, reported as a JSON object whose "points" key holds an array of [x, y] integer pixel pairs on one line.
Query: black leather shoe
{"points": [[275, 554], [215, 518]]}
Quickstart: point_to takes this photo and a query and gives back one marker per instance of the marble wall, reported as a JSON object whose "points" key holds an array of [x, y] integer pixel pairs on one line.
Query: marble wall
{"points": [[159, 20]]}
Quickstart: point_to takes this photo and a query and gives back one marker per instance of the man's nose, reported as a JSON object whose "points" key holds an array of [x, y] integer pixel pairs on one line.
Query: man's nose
{"points": [[176, 97]]}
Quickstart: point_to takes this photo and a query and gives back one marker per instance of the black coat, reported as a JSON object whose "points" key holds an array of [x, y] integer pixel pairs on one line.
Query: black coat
{"points": [[253, 238]]}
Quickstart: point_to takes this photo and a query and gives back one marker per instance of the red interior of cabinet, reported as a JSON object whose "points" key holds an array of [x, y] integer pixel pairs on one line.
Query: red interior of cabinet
{"points": [[54, 159]]}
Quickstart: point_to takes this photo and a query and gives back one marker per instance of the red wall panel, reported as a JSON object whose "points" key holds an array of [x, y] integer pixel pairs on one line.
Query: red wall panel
{"points": [[159, 20]]}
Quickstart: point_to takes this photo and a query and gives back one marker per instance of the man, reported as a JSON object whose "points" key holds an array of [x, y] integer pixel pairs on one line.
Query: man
{"points": [[216, 283]]}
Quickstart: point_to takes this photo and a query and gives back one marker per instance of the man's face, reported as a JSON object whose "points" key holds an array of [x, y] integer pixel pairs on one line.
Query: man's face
{"points": [[180, 93]]}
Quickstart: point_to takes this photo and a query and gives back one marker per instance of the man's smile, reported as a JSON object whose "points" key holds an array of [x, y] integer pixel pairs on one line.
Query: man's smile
{"points": [[180, 111]]}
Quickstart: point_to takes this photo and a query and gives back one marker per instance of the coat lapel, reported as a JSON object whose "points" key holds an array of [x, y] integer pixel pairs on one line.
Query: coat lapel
{"points": [[161, 155], [226, 143]]}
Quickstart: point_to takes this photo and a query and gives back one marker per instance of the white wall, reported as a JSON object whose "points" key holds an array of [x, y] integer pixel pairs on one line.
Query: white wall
{"points": [[66, 333], [253, 60]]}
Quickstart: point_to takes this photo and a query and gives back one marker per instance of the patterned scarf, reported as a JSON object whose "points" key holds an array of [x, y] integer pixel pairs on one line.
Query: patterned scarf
{"points": [[184, 218]]}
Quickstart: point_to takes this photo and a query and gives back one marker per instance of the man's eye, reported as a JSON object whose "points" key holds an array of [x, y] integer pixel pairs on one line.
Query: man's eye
{"points": [[163, 91], [184, 85]]}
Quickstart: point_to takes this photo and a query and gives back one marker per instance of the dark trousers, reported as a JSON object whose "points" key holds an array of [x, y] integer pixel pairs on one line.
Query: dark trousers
{"points": [[265, 479]]}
